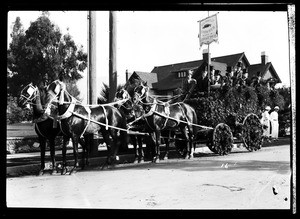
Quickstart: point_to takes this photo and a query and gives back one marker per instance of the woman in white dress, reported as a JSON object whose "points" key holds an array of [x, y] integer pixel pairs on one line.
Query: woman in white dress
{"points": [[274, 123], [265, 120]]}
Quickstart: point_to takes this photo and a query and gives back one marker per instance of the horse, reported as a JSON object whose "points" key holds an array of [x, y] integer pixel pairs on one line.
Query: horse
{"points": [[80, 120], [127, 109], [162, 116], [45, 126]]}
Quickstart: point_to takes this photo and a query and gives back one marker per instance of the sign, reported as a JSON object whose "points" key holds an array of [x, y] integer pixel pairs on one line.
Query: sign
{"points": [[208, 31]]}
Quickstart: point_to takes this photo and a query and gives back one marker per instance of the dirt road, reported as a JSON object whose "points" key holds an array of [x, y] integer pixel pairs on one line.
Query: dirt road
{"points": [[241, 180]]}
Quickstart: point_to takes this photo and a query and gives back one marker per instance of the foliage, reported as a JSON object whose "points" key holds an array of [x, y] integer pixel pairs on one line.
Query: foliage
{"points": [[104, 94], [41, 54], [16, 114]]}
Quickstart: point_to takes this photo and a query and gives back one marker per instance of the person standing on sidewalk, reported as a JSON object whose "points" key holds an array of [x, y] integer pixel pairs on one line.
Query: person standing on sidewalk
{"points": [[265, 121], [274, 123]]}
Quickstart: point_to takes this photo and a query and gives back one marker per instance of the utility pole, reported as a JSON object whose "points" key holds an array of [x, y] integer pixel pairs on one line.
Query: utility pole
{"points": [[92, 74], [112, 55], [92, 78]]}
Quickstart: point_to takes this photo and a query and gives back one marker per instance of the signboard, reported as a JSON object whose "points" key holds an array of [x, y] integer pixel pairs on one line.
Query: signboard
{"points": [[208, 31]]}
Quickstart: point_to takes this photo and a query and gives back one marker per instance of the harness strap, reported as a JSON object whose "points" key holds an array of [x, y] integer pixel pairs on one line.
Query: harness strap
{"points": [[106, 120], [88, 110], [69, 111], [167, 112], [39, 131]]}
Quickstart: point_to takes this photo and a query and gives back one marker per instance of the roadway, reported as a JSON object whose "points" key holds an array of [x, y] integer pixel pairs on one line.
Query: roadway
{"points": [[240, 180]]}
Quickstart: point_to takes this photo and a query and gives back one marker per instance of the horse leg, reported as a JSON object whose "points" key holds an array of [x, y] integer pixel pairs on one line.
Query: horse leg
{"points": [[140, 150], [166, 157], [52, 154], [157, 146], [115, 146], [75, 153], [85, 150], [136, 153], [186, 137], [191, 143], [64, 151], [43, 148], [107, 141]]}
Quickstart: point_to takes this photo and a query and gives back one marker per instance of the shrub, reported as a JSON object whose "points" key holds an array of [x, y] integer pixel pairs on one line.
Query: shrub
{"points": [[16, 114]]}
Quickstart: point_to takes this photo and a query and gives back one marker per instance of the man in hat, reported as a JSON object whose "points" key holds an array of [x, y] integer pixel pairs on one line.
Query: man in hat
{"points": [[238, 73], [245, 80], [265, 121], [202, 85], [274, 123], [188, 84], [256, 79], [218, 78]]}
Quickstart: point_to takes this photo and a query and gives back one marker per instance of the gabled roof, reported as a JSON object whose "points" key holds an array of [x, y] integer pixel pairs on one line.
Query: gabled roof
{"points": [[231, 60], [263, 68], [164, 70]]}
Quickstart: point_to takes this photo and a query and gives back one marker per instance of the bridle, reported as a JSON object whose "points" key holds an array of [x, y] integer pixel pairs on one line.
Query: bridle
{"points": [[141, 96], [32, 91]]}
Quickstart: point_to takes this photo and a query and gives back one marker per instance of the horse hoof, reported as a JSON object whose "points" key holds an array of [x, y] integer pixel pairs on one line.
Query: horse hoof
{"points": [[63, 171], [141, 161], [73, 171], [41, 172], [156, 160], [136, 161]]}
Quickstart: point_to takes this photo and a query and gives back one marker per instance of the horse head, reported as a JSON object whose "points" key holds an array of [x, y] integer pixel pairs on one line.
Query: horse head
{"points": [[28, 95], [122, 94], [55, 93], [140, 92]]}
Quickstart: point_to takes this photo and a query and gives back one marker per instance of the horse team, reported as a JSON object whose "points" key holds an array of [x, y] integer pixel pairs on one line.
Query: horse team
{"points": [[57, 113]]}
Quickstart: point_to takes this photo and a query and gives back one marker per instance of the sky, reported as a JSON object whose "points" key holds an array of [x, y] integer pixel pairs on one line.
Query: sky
{"points": [[146, 39]]}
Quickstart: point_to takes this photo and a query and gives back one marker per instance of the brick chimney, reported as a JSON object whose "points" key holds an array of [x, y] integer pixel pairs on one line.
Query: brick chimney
{"points": [[206, 55], [126, 75], [264, 58]]}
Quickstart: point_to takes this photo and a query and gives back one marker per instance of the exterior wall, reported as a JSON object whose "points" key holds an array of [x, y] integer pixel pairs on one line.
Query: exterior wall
{"points": [[268, 75]]}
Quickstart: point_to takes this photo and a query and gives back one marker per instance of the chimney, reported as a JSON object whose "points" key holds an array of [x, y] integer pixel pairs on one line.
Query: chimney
{"points": [[126, 75], [206, 56], [264, 58]]}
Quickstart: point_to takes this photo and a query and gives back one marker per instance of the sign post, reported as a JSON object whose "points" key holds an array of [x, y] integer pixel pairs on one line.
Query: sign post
{"points": [[208, 33]]}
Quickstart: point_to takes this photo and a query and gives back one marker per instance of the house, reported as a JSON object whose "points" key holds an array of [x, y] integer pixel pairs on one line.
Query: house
{"points": [[165, 79]]}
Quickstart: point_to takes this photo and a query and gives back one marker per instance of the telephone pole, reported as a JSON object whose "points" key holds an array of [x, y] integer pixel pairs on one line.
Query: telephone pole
{"points": [[112, 55], [92, 74]]}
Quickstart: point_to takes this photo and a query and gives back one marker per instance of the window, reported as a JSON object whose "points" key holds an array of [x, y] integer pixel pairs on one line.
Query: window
{"points": [[181, 74]]}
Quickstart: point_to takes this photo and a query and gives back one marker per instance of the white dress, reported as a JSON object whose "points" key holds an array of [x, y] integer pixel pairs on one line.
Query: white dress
{"points": [[265, 120], [274, 124]]}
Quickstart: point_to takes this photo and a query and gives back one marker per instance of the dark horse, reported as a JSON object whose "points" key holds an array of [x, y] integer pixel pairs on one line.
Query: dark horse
{"points": [[45, 126], [127, 109], [80, 120], [162, 116]]}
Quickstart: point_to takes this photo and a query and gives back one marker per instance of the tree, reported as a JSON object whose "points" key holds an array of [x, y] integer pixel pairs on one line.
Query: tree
{"points": [[42, 54]]}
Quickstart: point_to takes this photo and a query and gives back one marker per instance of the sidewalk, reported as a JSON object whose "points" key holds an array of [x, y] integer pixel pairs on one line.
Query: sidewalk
{"points": [[29, 163]]}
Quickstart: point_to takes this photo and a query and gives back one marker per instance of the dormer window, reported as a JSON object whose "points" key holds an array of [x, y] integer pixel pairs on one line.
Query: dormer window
{"points": [[181, 74]]}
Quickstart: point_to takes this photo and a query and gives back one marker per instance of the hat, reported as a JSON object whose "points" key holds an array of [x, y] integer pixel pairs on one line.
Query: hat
{"points": [[217, 72], [268, 108], [211, 68], [190, 71], [258, 73], [239, 64], [229, 69], [276, 107]]}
